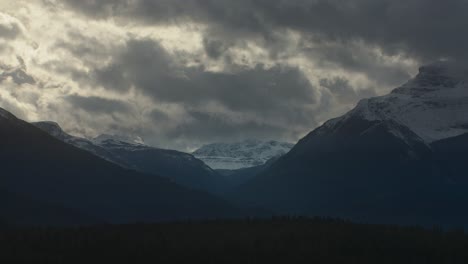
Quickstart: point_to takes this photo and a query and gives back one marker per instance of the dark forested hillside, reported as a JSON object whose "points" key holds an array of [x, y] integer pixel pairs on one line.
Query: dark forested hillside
{"points": [[60, 180], [367, 178], [250, 241]]}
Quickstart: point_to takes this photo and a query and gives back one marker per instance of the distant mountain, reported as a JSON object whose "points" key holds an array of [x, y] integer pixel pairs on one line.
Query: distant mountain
{"points": [[399, 158], [132, 153], [37, 167], [249, 153]]}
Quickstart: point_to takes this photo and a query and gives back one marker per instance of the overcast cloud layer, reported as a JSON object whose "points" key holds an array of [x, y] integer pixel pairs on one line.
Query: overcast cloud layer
{"points": [[182, 73]]}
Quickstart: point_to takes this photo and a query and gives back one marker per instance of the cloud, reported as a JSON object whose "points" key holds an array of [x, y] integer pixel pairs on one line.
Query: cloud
{"points": [[22, 100], [98, 105], [209, 127], [427, 29], [145, 65], [214, 48], [380, 40], [343, 92], [254, 99], [10, 27], [19, 76], [181, 73]]}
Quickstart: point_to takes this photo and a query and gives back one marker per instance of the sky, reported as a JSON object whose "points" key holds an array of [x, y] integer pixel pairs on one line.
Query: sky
{"points": [[183, 73]]}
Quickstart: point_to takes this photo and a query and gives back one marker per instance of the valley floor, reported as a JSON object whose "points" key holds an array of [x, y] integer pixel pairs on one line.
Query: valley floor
{"points": [[280, 240]]}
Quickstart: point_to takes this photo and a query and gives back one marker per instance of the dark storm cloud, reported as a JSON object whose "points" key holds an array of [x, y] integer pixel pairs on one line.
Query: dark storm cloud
{"points": [[145, 65], [258, 89], [214, 48], [356, 58], [427, 29], [159, 116], [98, 105], [112, 76]]}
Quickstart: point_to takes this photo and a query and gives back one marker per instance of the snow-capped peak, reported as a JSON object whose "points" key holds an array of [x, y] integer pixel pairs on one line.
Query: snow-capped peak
{"points": [[434, 104], [243, 154], [435, 77]]}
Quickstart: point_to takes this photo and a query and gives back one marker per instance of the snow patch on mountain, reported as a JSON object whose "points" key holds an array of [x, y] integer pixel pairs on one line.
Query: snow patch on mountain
{"points": [[120, 142], [249, 153]]}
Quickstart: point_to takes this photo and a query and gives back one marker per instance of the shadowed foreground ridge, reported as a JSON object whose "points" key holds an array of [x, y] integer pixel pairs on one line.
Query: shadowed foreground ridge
{"points": [[284, 240], [48, 182]]}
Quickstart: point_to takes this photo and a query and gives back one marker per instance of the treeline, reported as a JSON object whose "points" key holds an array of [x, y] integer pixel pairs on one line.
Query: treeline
{"points": [[279, 240]]}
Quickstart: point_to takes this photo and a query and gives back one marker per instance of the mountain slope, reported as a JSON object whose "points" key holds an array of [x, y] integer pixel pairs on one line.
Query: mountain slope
{"points": [[245, 154], [241, 176], [180, 167], [381, 162], [42, 168]]}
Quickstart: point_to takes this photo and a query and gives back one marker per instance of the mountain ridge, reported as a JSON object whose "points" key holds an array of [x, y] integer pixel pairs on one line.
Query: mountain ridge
{"points": [[182, 168]]}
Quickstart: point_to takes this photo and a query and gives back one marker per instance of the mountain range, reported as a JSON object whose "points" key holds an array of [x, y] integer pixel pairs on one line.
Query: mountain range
{"points": [[240, 155], [400, 158]]}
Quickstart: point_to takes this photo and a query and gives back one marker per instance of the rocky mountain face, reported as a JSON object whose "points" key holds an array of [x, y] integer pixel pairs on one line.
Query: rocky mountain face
{"points": [[245, 154], [398, 158], [132, 153]]}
